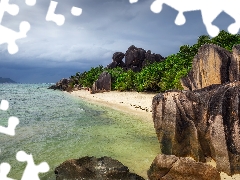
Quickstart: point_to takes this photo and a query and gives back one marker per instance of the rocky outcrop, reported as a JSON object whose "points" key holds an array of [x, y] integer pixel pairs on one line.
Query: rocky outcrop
{"points": [[103, 83], [91, 168], [63, 85], [134, 56], [170, 167], [117, 60], [135, 59], [234, 74], [151, 58], [201, 123], [210, 66], [204, 120]]}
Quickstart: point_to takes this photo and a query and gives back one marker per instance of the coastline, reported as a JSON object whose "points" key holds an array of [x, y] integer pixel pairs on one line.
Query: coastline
{"points": [[133, 103], [138, 104]]}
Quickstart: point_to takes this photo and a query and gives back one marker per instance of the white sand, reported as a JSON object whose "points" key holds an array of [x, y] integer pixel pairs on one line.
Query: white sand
{"points": [[134, 103]]}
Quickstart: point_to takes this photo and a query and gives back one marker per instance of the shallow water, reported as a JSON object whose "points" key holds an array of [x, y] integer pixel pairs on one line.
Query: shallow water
{"points": [[54, 127]]}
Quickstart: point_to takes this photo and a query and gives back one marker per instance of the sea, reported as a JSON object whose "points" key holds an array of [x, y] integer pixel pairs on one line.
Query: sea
{"points": [[54, 127]]}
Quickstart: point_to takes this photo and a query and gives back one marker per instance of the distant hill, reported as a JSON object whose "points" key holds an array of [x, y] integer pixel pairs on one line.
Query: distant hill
{"points": [[6, 80]]}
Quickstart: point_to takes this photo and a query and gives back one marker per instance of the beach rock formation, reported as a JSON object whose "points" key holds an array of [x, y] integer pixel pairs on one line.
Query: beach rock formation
{"points": [[103, 83], [117, 60], [204, 120], [118, 56], [136, 58], [92, 168], [201, 123], [170, 167], [212, 65], [234, 74], [63, 85], [151, 58]]}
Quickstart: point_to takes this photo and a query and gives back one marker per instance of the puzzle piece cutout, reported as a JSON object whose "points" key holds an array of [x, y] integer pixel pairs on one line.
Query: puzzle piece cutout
{"points": [[209, 10], [4, 105], [12, 121], [4, 170], [30, 2], [133, 1], [31, 171], [10, 130], [76, 11], [7, 35], [59, 19]]}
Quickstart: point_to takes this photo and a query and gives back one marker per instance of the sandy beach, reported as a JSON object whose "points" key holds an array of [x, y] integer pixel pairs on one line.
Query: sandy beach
{"points": [[134, 103]]}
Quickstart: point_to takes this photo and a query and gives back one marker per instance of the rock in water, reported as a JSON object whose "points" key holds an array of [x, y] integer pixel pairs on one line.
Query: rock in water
{"points": [[91, 168], [170, 167], [201, 123]]}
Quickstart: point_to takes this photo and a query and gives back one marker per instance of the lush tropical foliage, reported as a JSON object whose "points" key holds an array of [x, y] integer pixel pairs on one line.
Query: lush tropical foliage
{"points": [[159, 76]]}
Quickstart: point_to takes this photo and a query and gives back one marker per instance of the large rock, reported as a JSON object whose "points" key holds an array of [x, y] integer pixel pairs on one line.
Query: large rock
{"points": [[118, 56], [210, 66], [170, 167], [201, 123], [151, 58], [117, 60], [235, 64], [63, 85], [91, 168], [103, 83], [134, 56]]}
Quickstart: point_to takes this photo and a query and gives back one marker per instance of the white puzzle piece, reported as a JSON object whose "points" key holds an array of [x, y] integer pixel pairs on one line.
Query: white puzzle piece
{"points": [[4, 170], [209, 10], [59, 19], [8, 35], [31, 171]]}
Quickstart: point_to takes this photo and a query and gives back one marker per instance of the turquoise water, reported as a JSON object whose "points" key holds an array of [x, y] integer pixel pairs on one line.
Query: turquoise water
{"points": [[54, 127]]}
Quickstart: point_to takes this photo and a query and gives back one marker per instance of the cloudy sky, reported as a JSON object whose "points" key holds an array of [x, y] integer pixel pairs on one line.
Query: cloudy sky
{"points": [[51, 52]]}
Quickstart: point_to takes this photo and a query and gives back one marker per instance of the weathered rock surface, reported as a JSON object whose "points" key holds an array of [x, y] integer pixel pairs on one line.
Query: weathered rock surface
{"points": [[118, 56], [136, 58], [102, 83], [210, 66], [151, 58], [213, 65], [117, 60], [91, 168], [201, 123], [170, 167], [235, 64], [62, 85]]}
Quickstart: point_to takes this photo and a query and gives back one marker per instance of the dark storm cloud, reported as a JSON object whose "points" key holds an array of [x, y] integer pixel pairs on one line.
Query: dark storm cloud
{"points": [[51, 52]]}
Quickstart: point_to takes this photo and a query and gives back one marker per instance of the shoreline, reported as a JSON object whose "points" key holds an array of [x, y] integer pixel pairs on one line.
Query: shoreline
{"points": [[133, 103]]}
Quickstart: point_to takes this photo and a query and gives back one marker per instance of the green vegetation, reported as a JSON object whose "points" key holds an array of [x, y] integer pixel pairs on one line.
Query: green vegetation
{"points": [[159, 76]]}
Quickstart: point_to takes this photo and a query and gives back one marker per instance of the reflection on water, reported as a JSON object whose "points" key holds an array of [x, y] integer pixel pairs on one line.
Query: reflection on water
{"points": [[55, 126]]}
